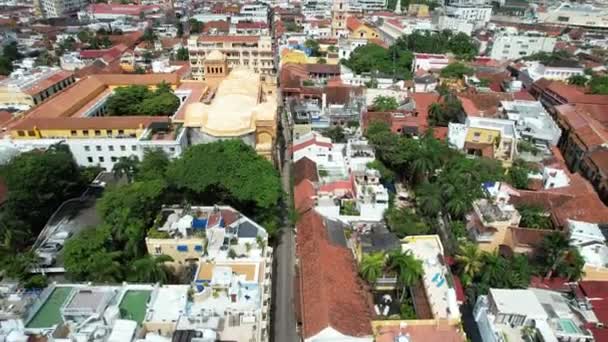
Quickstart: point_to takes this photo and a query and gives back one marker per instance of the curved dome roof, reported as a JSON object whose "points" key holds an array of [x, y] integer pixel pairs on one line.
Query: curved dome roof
{"points": [[216, 55]]}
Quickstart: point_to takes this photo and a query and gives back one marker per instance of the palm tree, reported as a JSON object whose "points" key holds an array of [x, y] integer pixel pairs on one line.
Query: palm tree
{"points": [[372, 266], [554, 251], [469, 259], [494, 269], [436, 113], [457, 205], [126, 166], [429, 199], [105, 267], [150, 269], [409, 269]]}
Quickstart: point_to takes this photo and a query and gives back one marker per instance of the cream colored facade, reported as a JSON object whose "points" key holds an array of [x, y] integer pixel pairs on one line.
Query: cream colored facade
{"points": [[253, 52], [27, 91], [339, 14], [244, 107]]}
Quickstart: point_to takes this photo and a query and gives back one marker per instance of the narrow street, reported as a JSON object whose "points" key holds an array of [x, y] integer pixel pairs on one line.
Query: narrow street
{"points": [[284, 317]]}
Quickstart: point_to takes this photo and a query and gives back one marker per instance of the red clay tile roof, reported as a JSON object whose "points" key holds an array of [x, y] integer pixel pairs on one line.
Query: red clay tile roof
{"points": [[578, 201], [599, 157], [251, 25], [584, 125], [352, 23], [556, 284], [597, 293], [304, 192], [218, 25], [48, 82], [305, 169], [331, 293], [423, 102], [310, 142]]}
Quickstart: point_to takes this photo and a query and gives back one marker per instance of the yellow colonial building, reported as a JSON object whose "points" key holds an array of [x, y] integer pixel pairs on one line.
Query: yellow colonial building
{"points": [[243, 106], [360, 30]]}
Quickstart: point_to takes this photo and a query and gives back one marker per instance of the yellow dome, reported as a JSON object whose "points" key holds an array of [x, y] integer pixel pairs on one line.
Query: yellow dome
{"points": [[216, 55], [195, 114]]}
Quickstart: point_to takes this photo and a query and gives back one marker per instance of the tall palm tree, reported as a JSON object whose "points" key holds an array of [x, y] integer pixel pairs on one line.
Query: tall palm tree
{"points": [[105, 267], [469, 259], [372, 266], [126, 166], [409, 269], [494, 269], [555, 248], [150, 269], [429, 199], [436, 113], [457, 205]]}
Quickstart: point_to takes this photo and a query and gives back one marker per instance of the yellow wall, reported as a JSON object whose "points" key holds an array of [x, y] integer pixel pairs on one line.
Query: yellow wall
{"points": [[364, 32], [595, 273], [486, 136], [169, 247], [294, 56], [79, 133], [7, 96]]}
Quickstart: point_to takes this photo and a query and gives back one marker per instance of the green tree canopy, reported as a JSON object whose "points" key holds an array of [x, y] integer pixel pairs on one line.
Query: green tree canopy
{"points": [[314, 47], [153, 166], [227, 170], [182, 54], [140, 100], [374, 58], [196, 26], [456, 70], [336, 134], [38, 182], [90, 256], [404, 222], [579, 80], [599, 85], [384, 103]]}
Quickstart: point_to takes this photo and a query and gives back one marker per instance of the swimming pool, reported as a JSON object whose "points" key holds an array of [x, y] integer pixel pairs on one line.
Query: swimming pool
{"points": [[568, 326], [49, 313]]}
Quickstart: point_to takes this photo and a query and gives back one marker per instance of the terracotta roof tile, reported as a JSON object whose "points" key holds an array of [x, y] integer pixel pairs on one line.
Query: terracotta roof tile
{"points": [[305, 169], [331, 293], [48, 82], [352, 23]]}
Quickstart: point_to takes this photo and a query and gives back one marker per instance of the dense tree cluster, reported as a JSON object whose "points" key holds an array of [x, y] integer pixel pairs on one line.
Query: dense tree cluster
{"points": [[448, 109], [37, 182], [140, 100], [403, 265], [227, 172], [442, 178], [480, 271], [397, 60], [384, 103], [456, 70], [8, 56]]}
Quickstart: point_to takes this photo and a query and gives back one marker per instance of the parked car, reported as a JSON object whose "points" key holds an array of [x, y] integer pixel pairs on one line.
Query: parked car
{"points": [[46, 260], [59, 237], [50, 247]]}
